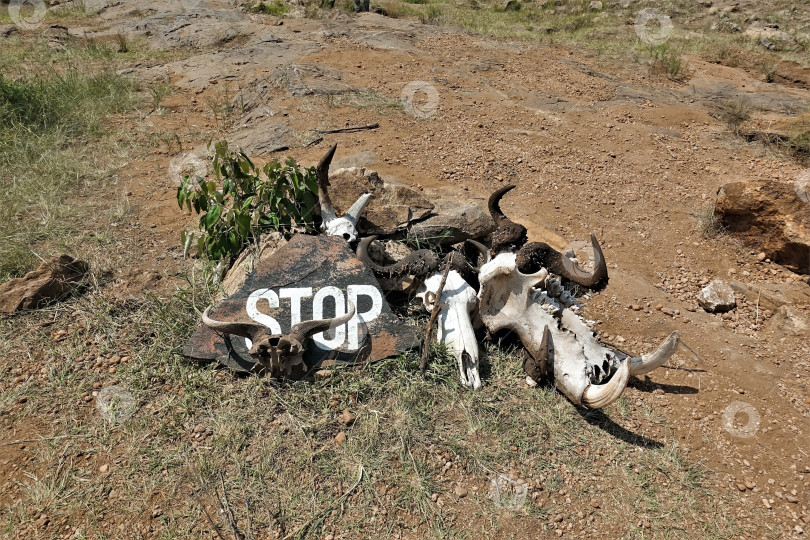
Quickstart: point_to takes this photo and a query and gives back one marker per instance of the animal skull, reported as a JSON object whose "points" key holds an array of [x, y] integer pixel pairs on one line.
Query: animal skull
{"points": [[346, 225], [586, 372], [455, 327], [279, 355]]}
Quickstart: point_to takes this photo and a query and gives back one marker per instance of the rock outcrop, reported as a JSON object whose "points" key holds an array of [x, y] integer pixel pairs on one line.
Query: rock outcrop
{"points": [[771, 218]]}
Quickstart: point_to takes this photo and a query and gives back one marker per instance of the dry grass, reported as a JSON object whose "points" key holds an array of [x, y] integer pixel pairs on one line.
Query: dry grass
{"points": [[199, 432]]}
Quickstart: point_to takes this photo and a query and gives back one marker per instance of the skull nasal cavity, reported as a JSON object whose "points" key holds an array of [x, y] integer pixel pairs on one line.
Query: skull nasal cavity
{"points": [[274, 341]]}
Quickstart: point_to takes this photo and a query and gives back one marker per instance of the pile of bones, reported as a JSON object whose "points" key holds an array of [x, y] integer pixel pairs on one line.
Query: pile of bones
{"points": [[513, 285]]}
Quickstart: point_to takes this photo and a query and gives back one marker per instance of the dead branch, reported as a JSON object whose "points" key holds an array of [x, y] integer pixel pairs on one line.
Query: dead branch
{"points": [[228, 512], [349, 129], [433, 314], [329, 508]]}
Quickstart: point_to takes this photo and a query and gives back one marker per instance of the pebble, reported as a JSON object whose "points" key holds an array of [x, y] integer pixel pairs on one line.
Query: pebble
{"points": [[461, 492], [340, 438], [347, 417], [766, 503], [104, 468]]}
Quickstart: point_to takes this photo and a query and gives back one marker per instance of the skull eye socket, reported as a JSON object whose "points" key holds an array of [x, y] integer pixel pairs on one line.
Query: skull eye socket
{"points": [[347, 236]]}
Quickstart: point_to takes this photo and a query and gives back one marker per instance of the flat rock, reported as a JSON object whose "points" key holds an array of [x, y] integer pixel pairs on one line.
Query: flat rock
{"points": [[773, 295], [311, 277], [263, 137], [789, 321], [52, 280], [717, 297], [310, 79], [393, 207], [451, 222]]}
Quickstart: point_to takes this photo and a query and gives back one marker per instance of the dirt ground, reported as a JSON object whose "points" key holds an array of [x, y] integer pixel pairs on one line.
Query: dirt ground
{"points": [[594, 144]]}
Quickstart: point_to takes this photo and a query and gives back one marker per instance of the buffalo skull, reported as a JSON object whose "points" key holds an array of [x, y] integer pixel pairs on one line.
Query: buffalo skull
{"points": [[558, 340], [278, 355]]}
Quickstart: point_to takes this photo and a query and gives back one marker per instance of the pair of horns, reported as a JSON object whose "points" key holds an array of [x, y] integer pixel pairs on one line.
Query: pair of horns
{"points": [[531, 256], [300, 331]]}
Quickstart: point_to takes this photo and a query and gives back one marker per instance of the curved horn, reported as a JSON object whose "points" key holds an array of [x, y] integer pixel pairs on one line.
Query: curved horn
{"points": [[597, 396], [539, 254], [305, 329], [509, 235], [322, 174], [247, 330], [639, 365], [571, 270], [418, 263], [353, 213], [494, 205]]}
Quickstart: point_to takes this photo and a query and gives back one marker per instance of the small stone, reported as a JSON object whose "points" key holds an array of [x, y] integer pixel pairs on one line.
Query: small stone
{"points": [[347, 417], [741, 487], [595, 5], [635, 307], [461, 492], [761, 256], [791, 499], [766, 503], [340, 438], [750, 485], [104, 468], [717, 297]]}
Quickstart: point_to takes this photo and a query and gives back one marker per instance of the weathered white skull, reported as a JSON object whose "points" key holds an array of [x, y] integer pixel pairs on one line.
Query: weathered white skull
{"points": [[455, 327], [584, 371], [344, 226]]}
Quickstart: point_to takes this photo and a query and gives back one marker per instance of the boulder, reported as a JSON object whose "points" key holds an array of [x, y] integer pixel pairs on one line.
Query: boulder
{"points": [[452, 222], [52, 280], [771, 218], [717, 297], [246, 262], [393, 207]]}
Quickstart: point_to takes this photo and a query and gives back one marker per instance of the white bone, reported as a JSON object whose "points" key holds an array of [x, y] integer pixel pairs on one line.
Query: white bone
{"points": [[346, 225], [455, 327], [584, 370]]}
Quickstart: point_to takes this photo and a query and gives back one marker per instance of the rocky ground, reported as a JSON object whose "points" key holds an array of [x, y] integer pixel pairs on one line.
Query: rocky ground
{"points": [[596, 143]]}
